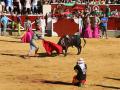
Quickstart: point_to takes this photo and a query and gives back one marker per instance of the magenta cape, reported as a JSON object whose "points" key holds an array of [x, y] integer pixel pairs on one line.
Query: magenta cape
{"points": [[27, 36], [50, 46], [88, 32], [96, 33]]}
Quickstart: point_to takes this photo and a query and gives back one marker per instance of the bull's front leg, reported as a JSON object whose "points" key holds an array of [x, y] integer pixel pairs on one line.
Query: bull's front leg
{"points": [[79, 50], [65, 51]]}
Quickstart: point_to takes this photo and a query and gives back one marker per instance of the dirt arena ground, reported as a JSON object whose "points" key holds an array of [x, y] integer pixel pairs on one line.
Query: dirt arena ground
{"points": [[55, 73]]}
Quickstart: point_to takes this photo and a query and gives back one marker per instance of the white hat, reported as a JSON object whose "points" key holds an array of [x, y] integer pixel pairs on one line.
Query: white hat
{"points": [[80, 60]]}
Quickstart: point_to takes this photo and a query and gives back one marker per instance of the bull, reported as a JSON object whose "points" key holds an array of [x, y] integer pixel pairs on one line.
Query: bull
{"points": [[70, 41]]}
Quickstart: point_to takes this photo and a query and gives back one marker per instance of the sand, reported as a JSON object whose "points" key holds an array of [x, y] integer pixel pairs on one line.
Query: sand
{"points": [[102, 57]]}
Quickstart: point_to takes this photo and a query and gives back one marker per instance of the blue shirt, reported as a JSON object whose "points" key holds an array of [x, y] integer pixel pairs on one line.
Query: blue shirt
{"points": [[4, 20], [9, 2], [104, 21]]}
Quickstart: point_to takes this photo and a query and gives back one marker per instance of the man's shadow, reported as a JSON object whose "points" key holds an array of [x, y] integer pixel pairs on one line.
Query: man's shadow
{"points": [[7, 54], [118, 79], [108, 86], [11, 41], [25, 56], [56, 82]]}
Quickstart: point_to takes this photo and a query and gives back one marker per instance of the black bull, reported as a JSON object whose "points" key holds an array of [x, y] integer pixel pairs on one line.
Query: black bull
{"points": [[71, 40]]}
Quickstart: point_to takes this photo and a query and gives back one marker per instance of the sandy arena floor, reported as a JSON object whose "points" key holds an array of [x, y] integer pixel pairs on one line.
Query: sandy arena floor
{"points": [[55, 73]]}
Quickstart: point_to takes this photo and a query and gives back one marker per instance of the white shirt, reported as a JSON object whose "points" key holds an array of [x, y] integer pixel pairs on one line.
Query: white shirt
{"points": [[34, 2], [28, 4]]}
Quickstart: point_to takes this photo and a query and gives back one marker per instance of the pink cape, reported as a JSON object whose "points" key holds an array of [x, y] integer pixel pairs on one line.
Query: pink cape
{"points": [[96, 32], [88, 32], [50, 46], [27, 36]]}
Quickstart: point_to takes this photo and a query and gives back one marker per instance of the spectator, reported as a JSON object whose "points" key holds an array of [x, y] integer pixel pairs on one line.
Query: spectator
{"points": [[12, 24], [108, 11], [80, 21], [103, 26], [17, 6], [43, 25], [3, 5], [0, 24], [28, 6], [4, 22], [34, 6], [38, 23], [9, 6], [18, 24], [27, 23]]}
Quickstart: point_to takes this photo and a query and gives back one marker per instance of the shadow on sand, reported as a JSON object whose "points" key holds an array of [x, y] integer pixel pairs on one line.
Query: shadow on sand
{"points": [[25, 56], [112, 78], [6, 54], [56, 82], [11, 41], [107, 86]]}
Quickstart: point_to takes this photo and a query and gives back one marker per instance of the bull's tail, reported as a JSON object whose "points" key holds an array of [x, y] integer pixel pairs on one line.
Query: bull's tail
{"points": [[84, 41]]}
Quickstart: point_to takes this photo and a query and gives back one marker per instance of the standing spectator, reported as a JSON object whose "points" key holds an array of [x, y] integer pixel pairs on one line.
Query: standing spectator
{"points": [[9, 6], [3, 5], [18, 24], [28, 6], [38, 23], [27, 23], [103, 26], [0, 24], [12, 23], [80, 21], [68, 1], [81, 69], [4, 23], [43, 25], [17, 6], [23, 8], [40, 6], [108, 11], [34, 6], [20, 6]]}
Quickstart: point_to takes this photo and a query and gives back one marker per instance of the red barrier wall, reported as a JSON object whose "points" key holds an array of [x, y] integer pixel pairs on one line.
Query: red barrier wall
{"points": [[113, 22]]}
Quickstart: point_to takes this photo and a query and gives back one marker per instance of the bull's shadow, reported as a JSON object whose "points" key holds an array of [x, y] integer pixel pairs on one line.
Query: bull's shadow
{"points": [[56, 82], [46, 55]]}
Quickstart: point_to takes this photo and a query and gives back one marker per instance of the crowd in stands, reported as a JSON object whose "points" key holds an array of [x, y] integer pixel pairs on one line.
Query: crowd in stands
{"points": [[35, 6], [87, 18]]}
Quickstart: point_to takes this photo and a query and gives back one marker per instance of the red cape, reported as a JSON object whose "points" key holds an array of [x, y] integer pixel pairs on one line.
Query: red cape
{"points": [[50, 46]]}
